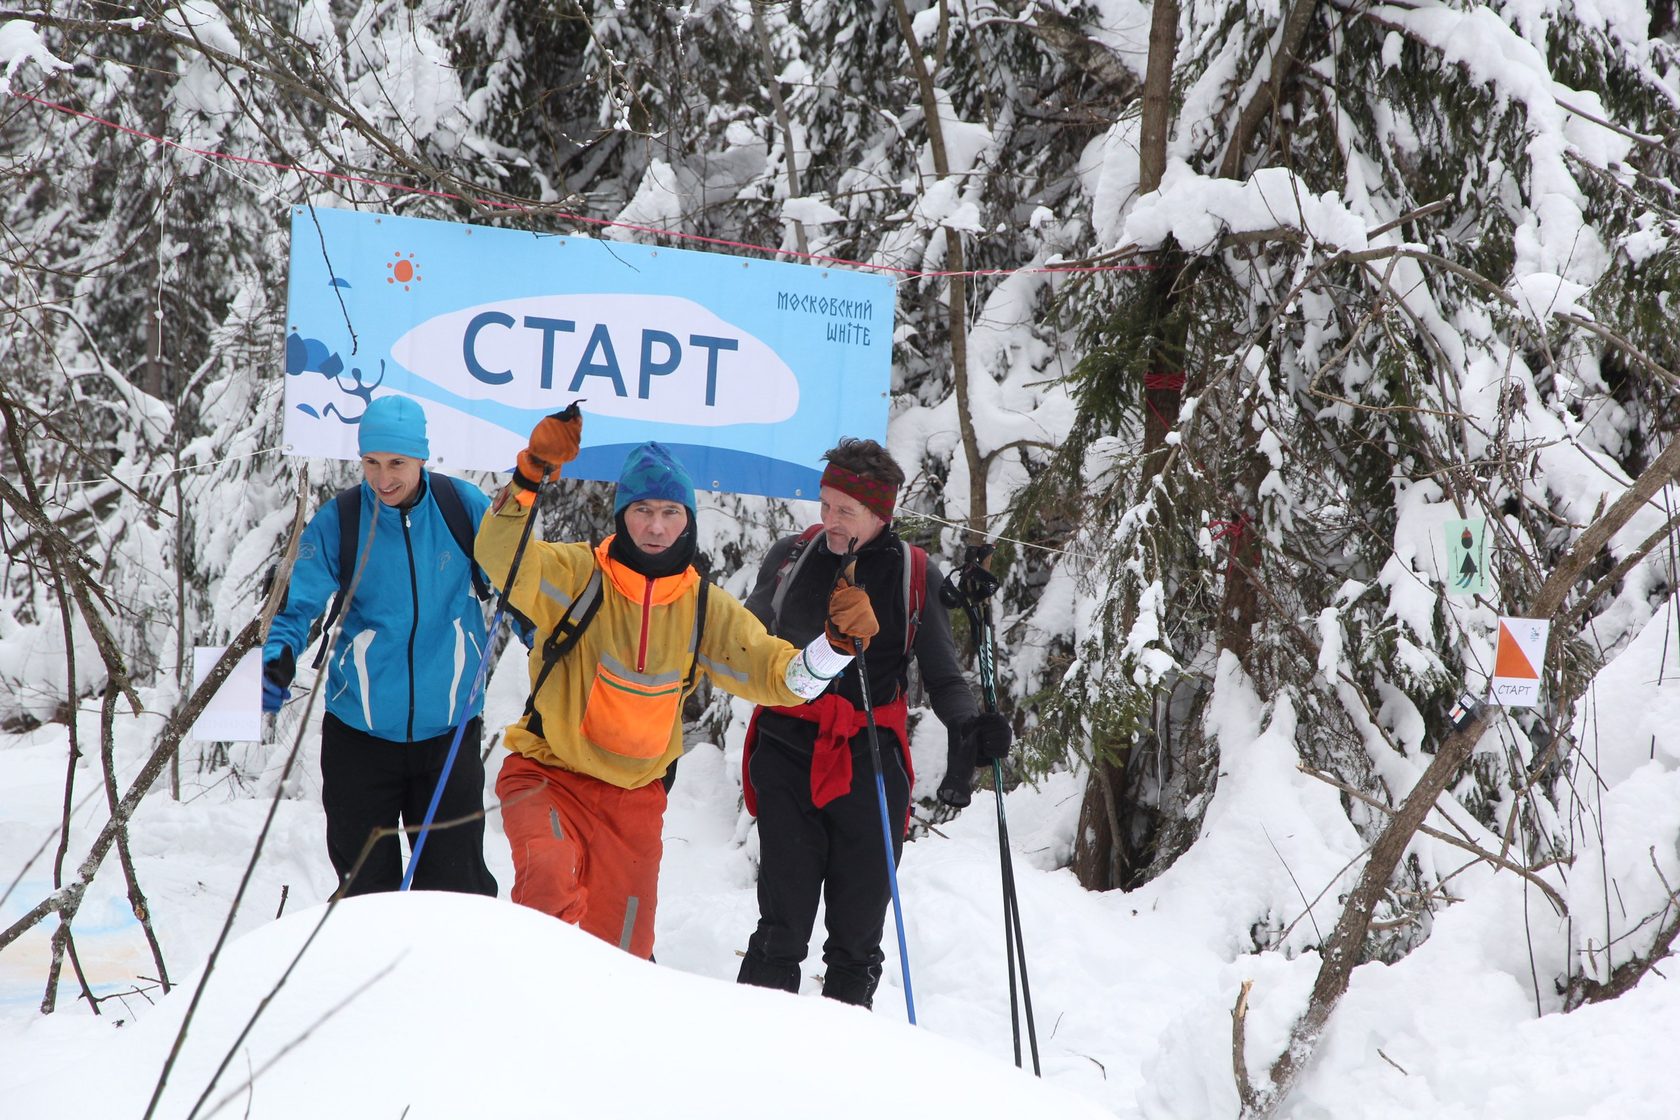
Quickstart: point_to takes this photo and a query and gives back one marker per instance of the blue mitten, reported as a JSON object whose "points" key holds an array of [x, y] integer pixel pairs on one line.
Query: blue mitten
{"points": [[274, 695]]}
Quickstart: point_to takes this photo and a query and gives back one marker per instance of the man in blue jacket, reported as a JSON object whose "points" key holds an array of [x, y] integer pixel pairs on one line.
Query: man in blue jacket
{"points": [[401, 668]]}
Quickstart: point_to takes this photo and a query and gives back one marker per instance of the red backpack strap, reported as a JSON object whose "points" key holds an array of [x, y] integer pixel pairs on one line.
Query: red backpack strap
{"points": [[915, 591]]}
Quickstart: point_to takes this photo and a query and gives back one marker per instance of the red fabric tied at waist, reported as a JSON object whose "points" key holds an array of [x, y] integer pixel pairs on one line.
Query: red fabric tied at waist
{"points": [[831, 758]]}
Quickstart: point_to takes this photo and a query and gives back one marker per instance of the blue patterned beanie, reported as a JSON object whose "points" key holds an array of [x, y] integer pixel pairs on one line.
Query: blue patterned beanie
{"points": [[650, 471], [396, 426]]}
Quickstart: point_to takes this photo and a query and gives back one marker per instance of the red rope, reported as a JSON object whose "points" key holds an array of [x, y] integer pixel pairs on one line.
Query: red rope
{"points": [[1172, 381], [1232, 532], [1229, 530], [817, 258], [1154, 382]]}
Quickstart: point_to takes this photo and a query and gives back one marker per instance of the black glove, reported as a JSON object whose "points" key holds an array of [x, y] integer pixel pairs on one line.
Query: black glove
{"points": [[956, 789], [281, 668], [277, 675], [988, 735]]}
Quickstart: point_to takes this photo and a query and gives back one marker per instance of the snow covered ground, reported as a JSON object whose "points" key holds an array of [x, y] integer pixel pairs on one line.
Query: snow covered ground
{"points": [[441, 1006]]}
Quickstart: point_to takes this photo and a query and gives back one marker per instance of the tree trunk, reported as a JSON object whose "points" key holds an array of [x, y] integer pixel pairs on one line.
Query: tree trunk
{"points": [[1157, 91], [956, 296], [1099, 860], [783, 125]]}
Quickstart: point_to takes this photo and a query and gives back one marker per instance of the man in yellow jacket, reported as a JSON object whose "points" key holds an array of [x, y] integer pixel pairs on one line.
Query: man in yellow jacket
{"points": [[582, 801]]}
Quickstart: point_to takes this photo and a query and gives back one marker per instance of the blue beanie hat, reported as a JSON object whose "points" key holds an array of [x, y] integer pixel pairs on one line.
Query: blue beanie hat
{"points": [[395, 425], [650, 471]]}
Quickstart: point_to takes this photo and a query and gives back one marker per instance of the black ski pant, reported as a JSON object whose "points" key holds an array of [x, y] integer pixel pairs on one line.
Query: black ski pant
{"points": [[369, 783], [832, 853]]}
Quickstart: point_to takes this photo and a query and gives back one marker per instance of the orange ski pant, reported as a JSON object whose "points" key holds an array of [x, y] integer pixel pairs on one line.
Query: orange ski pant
{"points": [[584, 850]]}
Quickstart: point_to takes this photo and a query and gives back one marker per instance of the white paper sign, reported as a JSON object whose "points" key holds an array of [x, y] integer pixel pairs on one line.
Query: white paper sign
{"points": [[1517, 661], [234, 714]]}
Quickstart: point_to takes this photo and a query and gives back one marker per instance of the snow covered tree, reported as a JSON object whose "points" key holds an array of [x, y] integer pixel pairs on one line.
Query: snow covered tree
{"points": [[1414, 285]]}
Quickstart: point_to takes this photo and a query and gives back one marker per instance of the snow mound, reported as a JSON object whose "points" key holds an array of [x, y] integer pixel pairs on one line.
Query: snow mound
{"points": [[439, 1005]]}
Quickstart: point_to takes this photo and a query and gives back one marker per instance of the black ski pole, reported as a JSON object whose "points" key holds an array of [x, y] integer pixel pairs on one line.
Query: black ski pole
{"points": [[975, 588], [848, 566], [419, 841]]}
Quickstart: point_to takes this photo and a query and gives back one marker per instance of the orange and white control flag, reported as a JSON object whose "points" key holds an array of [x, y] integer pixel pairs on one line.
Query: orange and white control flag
{"points": [[1518, 658]]}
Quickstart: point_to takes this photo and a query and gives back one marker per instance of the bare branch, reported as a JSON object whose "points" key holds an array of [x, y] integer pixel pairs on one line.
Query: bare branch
{"points": [[1494, 858], [1270, 93], [136, 897], [81, 586], [1239, 1063], [66, 900]]}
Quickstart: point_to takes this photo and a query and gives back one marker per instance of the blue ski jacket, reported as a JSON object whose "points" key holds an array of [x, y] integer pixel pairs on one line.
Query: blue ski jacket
{"points": [[413, 632]]}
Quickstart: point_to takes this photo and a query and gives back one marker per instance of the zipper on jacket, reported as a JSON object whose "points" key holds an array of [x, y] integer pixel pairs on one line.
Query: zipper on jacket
{"points": [[414, 621], [647, 614]]}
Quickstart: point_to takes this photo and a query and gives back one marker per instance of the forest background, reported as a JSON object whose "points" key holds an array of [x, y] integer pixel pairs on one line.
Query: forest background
{"points": [[1211, 315]]}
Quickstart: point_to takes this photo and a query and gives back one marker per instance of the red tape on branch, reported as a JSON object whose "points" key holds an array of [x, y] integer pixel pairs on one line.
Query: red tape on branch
{"points": [[500, 204], [1229, 530]]}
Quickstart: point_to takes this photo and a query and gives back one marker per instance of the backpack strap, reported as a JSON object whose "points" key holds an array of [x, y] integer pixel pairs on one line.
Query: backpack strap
{"points": [[915, 583], [566, 633], [915, 592], [349, 504], [790, 568], [446, 492], [699, 626]]}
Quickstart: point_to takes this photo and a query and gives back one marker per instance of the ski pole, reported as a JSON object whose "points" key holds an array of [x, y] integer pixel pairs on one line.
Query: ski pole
{"points": [[1012, 921], [976, 587], [848, 565], [473, 693]]}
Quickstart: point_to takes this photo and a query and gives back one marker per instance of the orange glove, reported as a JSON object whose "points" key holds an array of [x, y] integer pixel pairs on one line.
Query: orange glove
{"points": [[850, 616], [555, 438], [554, 442]]}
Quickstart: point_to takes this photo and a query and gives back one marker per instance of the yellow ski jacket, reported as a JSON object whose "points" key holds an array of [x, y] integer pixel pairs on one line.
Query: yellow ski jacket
{"points": [[612, 707]]}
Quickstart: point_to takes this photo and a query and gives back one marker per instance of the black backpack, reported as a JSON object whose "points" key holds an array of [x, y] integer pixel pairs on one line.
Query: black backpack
{"points": [[915, 582]]}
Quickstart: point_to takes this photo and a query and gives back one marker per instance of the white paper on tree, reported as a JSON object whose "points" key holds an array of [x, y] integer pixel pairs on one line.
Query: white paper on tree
{"points": [[234, 714], [1518, 658]]}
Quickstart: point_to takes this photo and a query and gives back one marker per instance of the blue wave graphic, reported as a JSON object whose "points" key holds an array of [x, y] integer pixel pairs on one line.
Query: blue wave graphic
{"points": [[712, 468]]}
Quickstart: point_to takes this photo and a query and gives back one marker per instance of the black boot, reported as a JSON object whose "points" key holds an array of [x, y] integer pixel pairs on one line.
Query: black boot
{"points": [[764, 973], [849, 986]]}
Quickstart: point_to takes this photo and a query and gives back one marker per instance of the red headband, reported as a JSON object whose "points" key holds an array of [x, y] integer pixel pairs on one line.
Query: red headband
{"points": [[875, 496]]}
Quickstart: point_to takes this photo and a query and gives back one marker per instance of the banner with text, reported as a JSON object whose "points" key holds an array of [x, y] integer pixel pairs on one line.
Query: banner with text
{"points": [[747, 369]]}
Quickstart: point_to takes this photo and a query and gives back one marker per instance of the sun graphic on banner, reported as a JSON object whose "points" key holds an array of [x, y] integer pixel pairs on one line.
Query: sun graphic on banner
{"points": [[403, 271]]}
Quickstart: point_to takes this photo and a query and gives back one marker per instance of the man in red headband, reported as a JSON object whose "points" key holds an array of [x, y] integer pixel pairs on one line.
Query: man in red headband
{"points": [[808, 772]]}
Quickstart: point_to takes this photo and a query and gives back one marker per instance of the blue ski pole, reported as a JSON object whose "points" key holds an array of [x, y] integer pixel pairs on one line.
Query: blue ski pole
{"points": [[886, 830], [847, 566]]}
